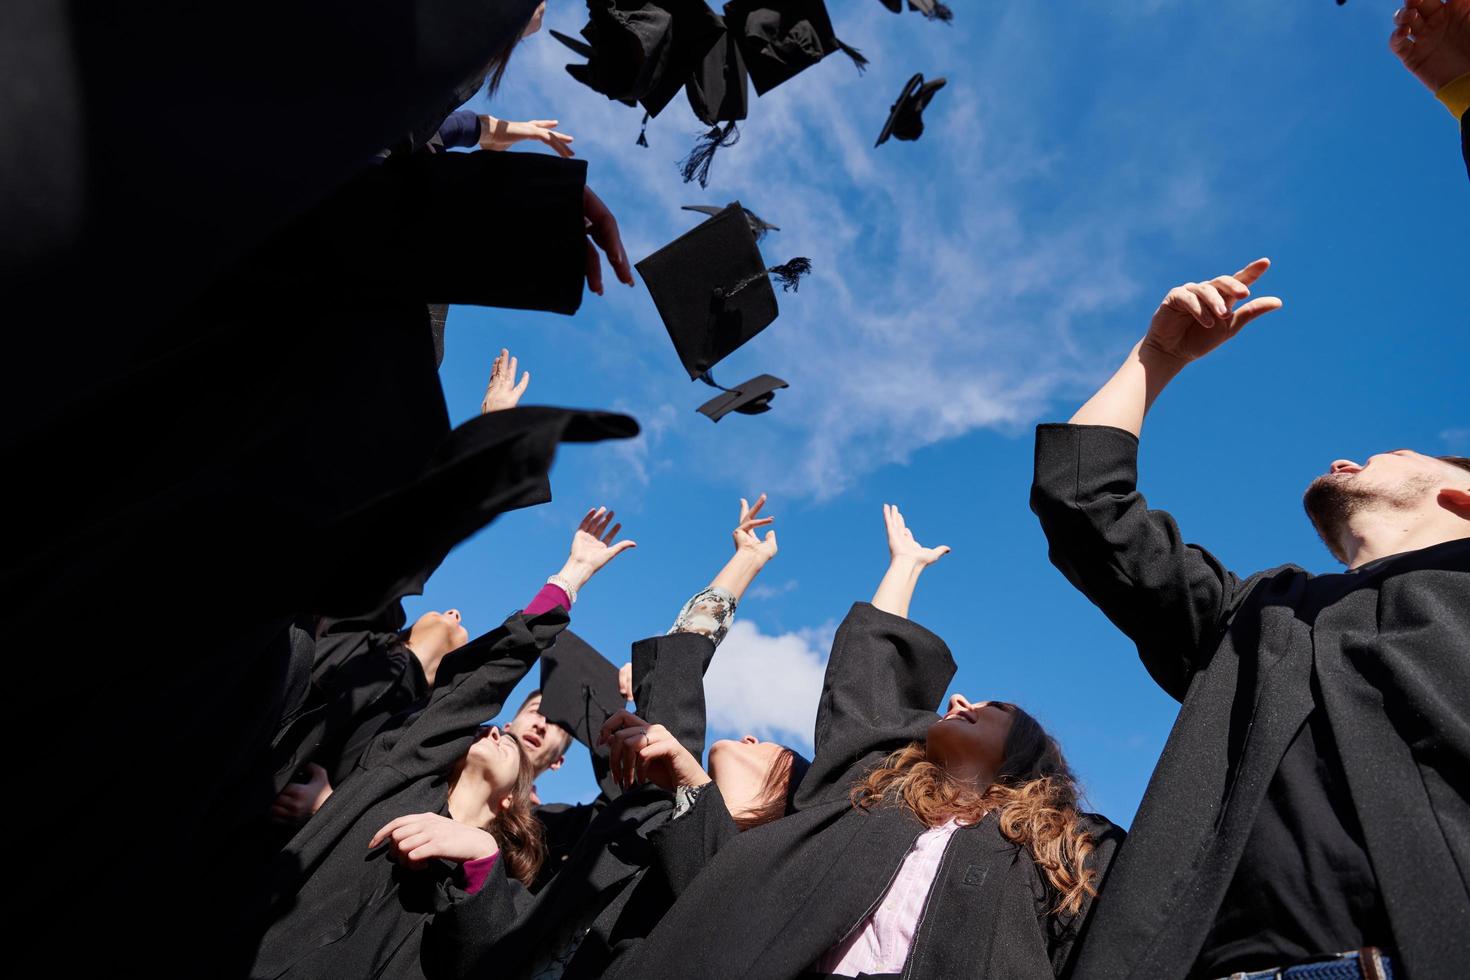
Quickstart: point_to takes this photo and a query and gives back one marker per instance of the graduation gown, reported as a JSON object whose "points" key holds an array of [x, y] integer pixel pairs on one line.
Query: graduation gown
{"points": [[769, 902], [506, 930], [360, 681], [340, 910], [1388, 649]]}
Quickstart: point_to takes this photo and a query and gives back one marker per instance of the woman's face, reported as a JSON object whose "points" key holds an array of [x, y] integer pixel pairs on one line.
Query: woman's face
{"points": [[740, 769], [969, 742], [438, 633], [496, 758], [535, 24]]}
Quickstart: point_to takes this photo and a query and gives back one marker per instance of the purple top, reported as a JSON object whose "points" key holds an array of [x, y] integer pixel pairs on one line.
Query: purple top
{"points": [[477, 871], [549, 597]]}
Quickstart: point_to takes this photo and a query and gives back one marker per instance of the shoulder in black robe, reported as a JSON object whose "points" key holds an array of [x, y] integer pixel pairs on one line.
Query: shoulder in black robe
{"points": [[771, 901], [1388, 649]]}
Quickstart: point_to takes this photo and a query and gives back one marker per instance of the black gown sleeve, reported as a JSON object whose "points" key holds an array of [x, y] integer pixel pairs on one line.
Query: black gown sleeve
{"points": [[1465, 139], [884, 680], [668, 685], [1171, 598], [684, 845], [517, 237], [473, 693]]}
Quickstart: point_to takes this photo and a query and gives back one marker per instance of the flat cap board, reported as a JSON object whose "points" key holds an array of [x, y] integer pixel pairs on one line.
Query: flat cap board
{"points": [[579, 687], [689, 280], [780, 38], [749, 398]]}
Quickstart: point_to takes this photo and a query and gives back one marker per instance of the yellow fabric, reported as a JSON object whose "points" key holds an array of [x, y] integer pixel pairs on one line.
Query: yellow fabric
{"points": [[1456, 95]]}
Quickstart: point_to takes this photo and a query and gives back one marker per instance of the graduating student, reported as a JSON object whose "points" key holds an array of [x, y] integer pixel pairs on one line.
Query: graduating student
{"points": [[355, 890], [600, 899], [922, 845], [1312, 800], [1432, 39]]}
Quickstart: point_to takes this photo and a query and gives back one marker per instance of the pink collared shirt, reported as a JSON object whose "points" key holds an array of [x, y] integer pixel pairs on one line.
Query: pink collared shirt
{"points": [[880, 943]]}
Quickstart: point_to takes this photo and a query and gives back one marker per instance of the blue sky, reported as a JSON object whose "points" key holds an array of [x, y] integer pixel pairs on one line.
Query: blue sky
{"points": [[1083, 159]]}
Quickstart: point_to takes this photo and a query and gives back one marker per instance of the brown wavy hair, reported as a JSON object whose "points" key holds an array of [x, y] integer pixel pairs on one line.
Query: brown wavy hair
{"points": [[1035, 798], [521, 837], [774, 792]]}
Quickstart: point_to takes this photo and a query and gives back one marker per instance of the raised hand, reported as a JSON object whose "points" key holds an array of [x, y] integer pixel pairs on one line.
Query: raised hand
{"points": [[1197, 317], [625, 682], [1432, 39], [501, 134], [593, 545], [901, 544], [503, 392], [298, 801], [746, 540], [418, 838], [644, 753]]}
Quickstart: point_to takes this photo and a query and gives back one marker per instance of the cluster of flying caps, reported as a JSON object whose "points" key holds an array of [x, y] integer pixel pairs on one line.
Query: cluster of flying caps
{"points": [[906, 116], [713, 292], [641, 52], [932, 9]]}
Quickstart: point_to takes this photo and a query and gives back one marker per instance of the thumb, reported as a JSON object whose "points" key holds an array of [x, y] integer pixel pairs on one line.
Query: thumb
{"points": [[1253, 309]]}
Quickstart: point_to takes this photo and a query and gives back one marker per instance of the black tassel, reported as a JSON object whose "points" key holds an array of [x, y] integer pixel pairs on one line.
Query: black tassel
{"points": [[643, 133], [941, 12], [709, 379], [855, 55], [696, 165], [789, 274]]}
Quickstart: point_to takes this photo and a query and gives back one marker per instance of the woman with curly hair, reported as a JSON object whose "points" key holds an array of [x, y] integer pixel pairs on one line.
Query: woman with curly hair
{"points": [[432, 808], [916, 845]]}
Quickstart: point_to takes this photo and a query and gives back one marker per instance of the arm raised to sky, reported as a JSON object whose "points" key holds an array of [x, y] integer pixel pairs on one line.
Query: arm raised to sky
{"points": [[1171, 598]]}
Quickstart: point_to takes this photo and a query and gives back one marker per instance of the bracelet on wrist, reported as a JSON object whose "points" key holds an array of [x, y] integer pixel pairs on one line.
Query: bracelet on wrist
{"points": [[561, 583]]}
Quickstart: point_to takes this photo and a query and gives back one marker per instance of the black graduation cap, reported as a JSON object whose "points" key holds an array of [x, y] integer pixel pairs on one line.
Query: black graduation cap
{"points": [[781, 38], [438, 315], [905, 117], [579, 687], [643, 51], [717, 94], [751, 398], [758, 225], [712, 288]]}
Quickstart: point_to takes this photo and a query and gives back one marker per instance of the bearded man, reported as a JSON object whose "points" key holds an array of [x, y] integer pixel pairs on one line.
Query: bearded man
{"points": [[1310, 813]]}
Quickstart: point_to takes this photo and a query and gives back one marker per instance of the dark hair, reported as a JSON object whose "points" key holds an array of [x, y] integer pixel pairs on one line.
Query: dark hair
{"points": [[495, 71], [775, 791], [522, 837], [1034, 797], [1463, 462], [529, 698]]}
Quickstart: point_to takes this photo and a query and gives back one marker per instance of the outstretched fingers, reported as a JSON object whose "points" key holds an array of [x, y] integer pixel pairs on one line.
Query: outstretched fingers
{"points": [[1255, 308]]}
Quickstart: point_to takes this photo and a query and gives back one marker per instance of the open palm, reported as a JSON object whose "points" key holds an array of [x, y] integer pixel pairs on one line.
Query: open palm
{"points": [[901, 542]]}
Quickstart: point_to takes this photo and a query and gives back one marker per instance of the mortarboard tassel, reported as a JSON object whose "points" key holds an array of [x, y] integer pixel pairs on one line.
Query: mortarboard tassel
{"points": [[941, 12], [855, 55], [696, 165], [643, 133], [789, 274]]}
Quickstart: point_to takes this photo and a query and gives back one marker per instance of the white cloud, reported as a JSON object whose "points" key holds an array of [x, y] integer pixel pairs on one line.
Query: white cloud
{"points": [[1456, 439], [766, 590], [767, 686]]}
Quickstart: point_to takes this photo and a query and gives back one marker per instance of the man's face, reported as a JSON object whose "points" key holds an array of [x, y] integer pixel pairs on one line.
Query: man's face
{"points": [[545, 743], [1400, 480]]}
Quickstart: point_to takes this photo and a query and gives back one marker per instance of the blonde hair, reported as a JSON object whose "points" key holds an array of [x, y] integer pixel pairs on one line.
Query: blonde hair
{"points": [[1034, 797]]}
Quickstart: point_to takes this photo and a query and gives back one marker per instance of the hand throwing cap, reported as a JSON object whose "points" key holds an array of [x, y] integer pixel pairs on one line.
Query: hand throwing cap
{"points": [[781, 38], [906, 116], [712, 288], [579, 687]]}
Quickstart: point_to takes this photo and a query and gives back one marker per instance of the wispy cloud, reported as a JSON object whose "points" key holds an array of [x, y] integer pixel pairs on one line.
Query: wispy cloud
{"points": [[766, 590], [1456, 439], [768, 686]]}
